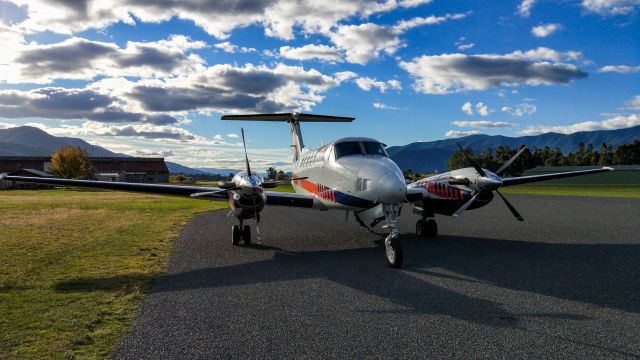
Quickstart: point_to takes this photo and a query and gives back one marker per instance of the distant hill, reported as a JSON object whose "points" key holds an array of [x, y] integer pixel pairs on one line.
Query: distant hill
{"points": [[428, 156], [218, 170], [175, 168], [31, 141]]}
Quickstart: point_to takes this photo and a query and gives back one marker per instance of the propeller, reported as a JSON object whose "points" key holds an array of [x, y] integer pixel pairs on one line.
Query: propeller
{"points": [[486, 183], [246, 157]]}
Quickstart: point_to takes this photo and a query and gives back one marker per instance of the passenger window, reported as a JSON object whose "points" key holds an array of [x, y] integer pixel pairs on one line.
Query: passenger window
{"points": [[348, 148], [374, 148]]}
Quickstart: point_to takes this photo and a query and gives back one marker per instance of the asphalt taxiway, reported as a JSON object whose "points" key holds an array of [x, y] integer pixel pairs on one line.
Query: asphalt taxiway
{"points": [[563, 284]]}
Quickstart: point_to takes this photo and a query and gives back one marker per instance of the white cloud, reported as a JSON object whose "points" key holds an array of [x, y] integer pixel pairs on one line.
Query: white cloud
{"points": [[467, 108], [623, 69], [617, 122], [367, 83], [447, 73], [482, 124], [312, 52], [364, 42], [545, 30], [458, 133], [232, 48], [35, 63], [525, 6], [483, 110], [278, 17], [379, 105], [219, 88], [405, 25], [233, 136], [634, 104], [611, 7], [520, 110]]}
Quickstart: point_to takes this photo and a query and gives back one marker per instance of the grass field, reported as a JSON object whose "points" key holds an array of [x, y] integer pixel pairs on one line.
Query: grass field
{"points": [[52, 239]]}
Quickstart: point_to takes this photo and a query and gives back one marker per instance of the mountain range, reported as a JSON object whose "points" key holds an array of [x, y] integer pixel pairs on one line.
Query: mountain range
{"points": [[32, 141], [419, 156], [428, 156]]}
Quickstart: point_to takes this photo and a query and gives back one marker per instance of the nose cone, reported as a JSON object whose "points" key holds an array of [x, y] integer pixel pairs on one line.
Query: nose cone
{"points": [[391, 189], [489, 182]]}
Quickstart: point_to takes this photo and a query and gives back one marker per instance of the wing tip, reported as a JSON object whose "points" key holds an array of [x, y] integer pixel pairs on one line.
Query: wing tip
{"points": [[608, 168]]}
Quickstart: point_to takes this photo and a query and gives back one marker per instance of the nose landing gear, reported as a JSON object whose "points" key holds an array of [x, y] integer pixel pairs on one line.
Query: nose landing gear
{"points": [[241, 233], [393, 249]]}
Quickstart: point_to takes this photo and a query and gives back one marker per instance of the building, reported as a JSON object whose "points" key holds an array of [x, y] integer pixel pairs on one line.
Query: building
{"points": [[623, 175], [128, 169]]}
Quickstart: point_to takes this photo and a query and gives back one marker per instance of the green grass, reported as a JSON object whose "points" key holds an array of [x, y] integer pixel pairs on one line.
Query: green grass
{"points": [[615, 191], [75, 265]]}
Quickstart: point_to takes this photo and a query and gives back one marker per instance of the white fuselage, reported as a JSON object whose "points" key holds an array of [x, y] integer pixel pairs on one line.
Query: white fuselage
{"points": [[349, 179]]}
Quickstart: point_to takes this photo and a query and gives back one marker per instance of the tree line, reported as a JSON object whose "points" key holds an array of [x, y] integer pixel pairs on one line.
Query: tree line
{"points": [[627, 154]]}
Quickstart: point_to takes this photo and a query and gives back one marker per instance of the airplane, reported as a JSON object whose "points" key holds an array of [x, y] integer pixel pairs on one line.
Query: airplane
{"points": [[353, 174]]}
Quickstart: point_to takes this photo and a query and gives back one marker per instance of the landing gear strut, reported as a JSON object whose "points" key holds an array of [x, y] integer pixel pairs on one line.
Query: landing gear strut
{"points": [[426, 228], [393, 249], [241, 232]]}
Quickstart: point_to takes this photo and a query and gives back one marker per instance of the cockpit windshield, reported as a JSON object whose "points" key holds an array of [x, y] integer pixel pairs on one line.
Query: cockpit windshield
{"points": [[348, 148], [374, 148]]}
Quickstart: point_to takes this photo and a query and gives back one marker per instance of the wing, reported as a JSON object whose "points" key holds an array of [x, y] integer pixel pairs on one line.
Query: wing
{"points": [[205, 193], [294, 200], [536, 178], [416, 194]]}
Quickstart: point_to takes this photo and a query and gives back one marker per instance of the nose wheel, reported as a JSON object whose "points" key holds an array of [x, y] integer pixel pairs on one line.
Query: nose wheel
{"points": [[241, 233], [426, 228]]}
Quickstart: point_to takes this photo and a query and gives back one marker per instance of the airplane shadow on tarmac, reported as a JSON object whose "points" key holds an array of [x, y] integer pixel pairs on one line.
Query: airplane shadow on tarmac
{"points": [[602, 275]]}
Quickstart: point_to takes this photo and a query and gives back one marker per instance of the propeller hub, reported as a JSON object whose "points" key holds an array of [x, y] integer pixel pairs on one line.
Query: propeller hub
{"points": [[489, 182]]}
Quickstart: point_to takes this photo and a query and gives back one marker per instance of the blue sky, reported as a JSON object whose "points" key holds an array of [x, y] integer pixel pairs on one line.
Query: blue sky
{"points": [[149, 79]]}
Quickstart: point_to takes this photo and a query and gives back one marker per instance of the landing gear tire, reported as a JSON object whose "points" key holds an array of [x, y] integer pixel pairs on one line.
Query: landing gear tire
{"points": [[246, 235], [421, 228], [431, 229], [235, 235], [394, 254], [426, 229]]}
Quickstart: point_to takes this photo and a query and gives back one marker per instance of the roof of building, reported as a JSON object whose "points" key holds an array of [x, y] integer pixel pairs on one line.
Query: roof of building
{"points": [[100, 164]]}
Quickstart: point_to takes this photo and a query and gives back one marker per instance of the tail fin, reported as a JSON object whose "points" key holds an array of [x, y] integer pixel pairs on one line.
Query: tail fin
{"points": [[294, 120]]}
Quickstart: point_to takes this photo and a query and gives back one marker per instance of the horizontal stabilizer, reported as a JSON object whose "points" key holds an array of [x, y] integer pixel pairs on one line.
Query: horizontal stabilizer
{"points": [[287, 117]]}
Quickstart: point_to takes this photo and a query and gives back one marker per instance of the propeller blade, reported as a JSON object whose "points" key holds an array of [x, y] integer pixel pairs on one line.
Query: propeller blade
{"points": [[513, 210], [508, 163], [246, 157], [473, 162], [465, 206], [208, 193], [226, 184]]}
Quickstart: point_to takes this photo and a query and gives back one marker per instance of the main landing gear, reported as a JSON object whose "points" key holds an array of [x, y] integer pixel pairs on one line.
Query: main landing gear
{"points": [[241, 232], [426, 228]]}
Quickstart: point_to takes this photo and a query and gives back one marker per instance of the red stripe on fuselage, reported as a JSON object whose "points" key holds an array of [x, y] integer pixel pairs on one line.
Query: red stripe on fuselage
{"points": [[321, 191]]}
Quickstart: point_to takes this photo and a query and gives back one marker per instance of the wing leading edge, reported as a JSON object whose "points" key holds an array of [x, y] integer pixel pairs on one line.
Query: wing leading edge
{"points": [[176, 190], [196, 192], [535, 178]]}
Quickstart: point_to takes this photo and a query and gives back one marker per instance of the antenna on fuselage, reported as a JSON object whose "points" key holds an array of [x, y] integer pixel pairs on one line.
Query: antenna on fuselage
{"points": [[246, 157]]}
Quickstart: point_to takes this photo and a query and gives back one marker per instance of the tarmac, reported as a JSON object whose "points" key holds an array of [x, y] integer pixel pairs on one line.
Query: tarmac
{"points": [[565, 283]]}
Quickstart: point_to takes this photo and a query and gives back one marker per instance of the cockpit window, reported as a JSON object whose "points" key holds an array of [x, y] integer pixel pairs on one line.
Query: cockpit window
{"points": [[348, 148], [374, 148]]}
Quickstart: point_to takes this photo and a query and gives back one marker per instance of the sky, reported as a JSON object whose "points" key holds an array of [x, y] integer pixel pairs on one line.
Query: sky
{"points": [[152, 78]]}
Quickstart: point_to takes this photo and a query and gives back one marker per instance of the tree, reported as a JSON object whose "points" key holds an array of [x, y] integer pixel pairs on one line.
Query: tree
{"points": [[272, 173], [280, 175], [70, 163]]}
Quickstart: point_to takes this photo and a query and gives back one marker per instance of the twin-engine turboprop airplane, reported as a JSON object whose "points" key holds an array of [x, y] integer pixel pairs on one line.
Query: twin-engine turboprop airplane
{"points": [[352, 174]]}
